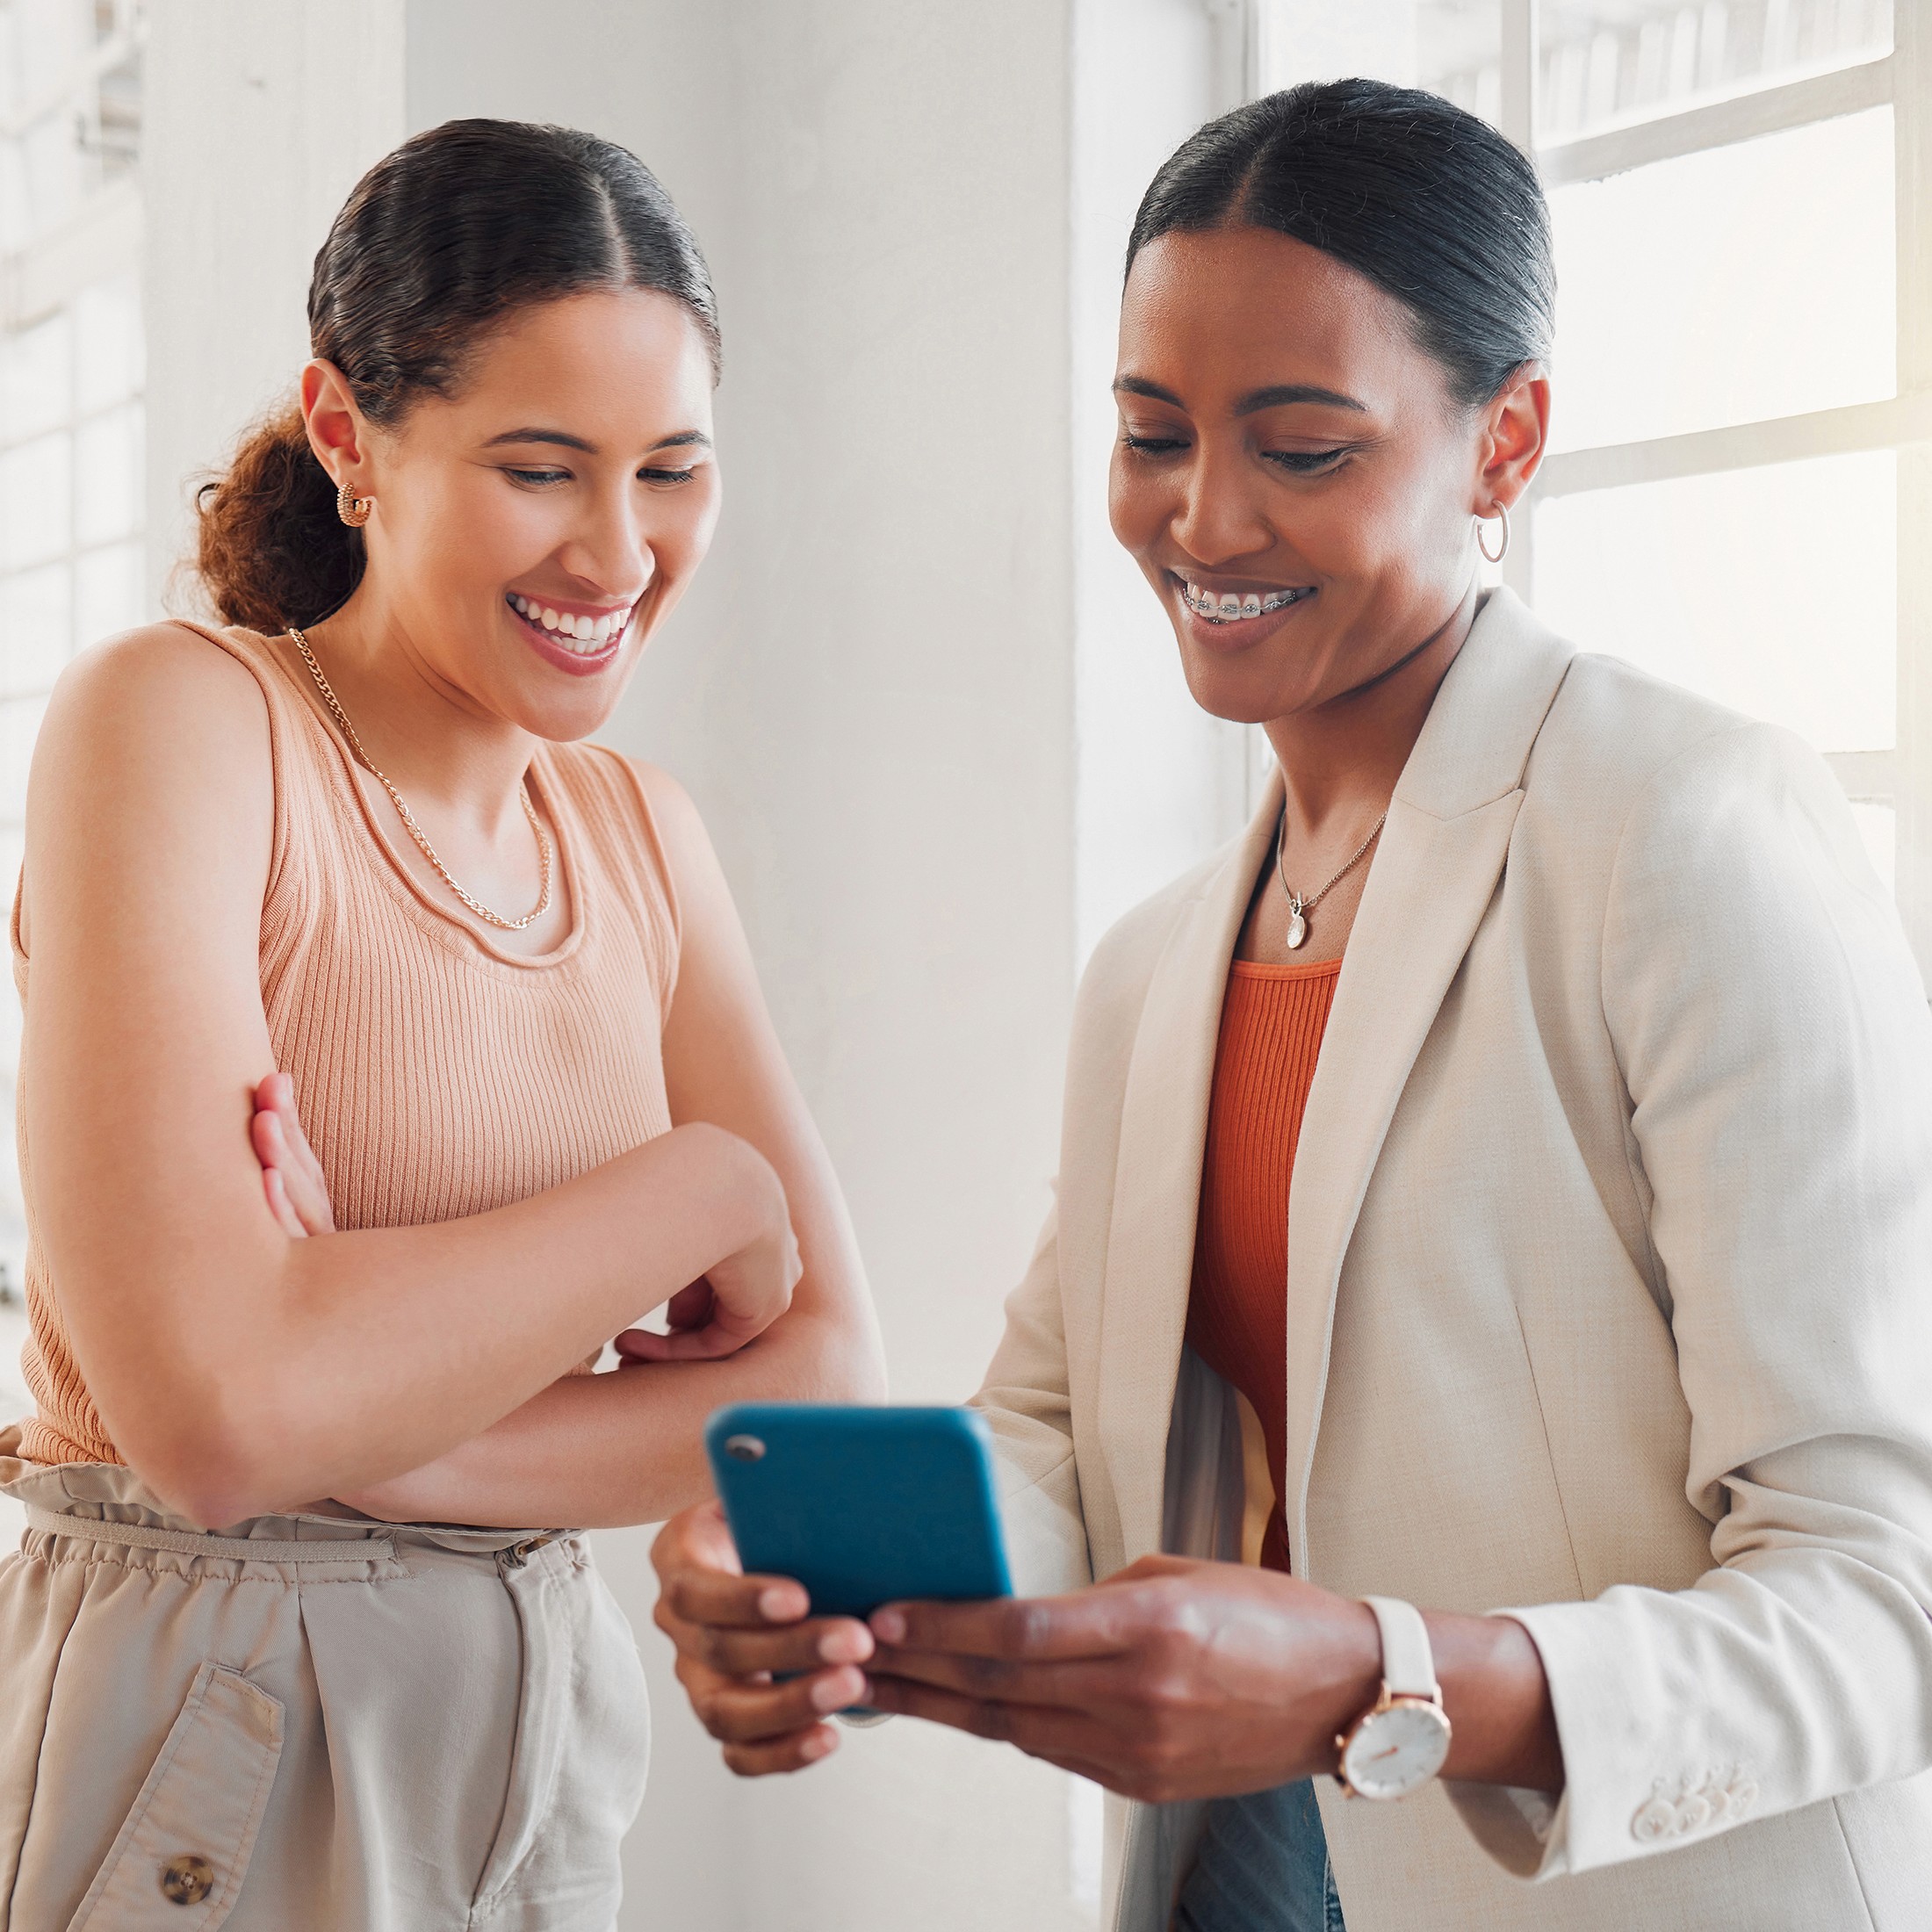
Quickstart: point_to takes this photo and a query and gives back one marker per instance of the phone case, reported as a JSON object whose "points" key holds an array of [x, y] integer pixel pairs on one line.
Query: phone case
{"points": [[863, 1505]]}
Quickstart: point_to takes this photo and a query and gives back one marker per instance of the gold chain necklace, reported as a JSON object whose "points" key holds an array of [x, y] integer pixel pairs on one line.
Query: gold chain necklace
{"points": [[1299, 908], [409, 817]]}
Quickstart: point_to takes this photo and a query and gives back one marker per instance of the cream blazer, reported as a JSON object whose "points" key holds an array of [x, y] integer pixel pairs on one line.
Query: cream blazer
{"points": [[1609, 1304]]}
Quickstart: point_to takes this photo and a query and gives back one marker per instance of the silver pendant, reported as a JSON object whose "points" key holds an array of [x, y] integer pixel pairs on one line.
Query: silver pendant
{"points": [[1298, 930]]}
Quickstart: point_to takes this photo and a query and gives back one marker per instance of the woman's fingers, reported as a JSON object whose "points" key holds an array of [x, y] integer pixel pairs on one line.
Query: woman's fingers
{"points": [[803, 1647], [736, 1636], [282, 1148], [789, 1754], [737, 1712], [285, 1217], [1089, 1623], [703, 1596], [704, 1345], [699, 1540], [691, 1306], [1077, 1685]]}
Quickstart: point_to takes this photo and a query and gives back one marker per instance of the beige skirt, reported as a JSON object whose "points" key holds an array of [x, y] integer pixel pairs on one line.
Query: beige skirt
{"points": [[310, 1722]]}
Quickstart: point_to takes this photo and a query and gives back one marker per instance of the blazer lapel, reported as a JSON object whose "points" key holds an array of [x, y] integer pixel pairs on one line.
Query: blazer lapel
{"points": [[1434, 874], [1157, 1188]]}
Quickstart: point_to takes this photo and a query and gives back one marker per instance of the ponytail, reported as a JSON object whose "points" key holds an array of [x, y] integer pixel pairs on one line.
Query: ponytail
{"points": [[272, 551]]}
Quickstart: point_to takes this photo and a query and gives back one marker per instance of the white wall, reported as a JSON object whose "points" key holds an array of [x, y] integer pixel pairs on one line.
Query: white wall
{"points": [[258, 121]]}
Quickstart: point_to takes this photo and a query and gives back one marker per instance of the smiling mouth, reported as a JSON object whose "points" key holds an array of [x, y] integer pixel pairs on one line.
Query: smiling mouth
{"points": [[1236, 607], [578, 633]]}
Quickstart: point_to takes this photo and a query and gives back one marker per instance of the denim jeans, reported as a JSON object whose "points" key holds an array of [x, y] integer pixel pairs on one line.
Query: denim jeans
{"points": [[1263, 1867]]}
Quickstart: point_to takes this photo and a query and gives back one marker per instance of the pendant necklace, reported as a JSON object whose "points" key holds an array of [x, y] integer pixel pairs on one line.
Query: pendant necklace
{"points": [[409, 817], [1299, 908]]}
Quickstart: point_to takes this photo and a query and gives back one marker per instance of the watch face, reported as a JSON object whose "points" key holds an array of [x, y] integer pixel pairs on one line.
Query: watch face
{"points": [[1396, 1751]]}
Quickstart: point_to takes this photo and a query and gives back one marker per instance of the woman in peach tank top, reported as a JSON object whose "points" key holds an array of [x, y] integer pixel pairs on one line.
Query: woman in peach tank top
{"points": [[434, 1059]]}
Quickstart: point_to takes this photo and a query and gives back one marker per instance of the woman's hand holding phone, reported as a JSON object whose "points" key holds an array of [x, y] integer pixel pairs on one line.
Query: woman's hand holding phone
{"points": [[735, 1634]]}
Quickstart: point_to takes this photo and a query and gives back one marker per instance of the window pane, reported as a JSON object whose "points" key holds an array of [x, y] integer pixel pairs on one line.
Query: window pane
{"points": [[1607, 64], [107, 461], [35, 378], [36, 491], [1774, 591], [19, 724], [1745, 282], [107, 343], [109, 595], [1452, 47], [36, 628]]}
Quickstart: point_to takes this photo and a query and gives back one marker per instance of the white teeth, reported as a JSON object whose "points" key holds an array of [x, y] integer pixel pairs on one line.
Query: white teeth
{"points": [[577, 632], [1230, 605], [1250, 605]]}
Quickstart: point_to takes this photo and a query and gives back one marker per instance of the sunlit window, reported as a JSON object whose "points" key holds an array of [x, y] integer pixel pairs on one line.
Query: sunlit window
{"points": [[72, 565], [1743, 349]]}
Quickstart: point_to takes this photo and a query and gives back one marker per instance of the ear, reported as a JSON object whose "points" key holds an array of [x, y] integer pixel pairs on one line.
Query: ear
{"points": [[1513, 437], [337, 430]]}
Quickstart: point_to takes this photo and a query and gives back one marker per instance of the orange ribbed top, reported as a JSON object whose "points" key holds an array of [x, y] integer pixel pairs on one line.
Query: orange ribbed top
{"points": [[437, 1074], [1272, 1022]]}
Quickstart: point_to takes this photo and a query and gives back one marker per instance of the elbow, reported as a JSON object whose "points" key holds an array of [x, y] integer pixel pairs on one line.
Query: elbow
{"points": [[212, 1468], [208, 1491]]}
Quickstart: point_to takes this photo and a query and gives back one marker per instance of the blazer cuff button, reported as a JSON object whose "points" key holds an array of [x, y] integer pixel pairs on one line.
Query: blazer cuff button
{"points": [[1655, 1819]]}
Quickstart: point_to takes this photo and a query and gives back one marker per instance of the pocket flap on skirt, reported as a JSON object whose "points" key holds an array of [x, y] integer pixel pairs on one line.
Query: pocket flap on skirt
{"points": [[179, 1858]]}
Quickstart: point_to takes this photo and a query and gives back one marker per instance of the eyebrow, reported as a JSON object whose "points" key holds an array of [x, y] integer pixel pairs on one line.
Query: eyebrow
{"points": [[563, 439], [1273, 397]]}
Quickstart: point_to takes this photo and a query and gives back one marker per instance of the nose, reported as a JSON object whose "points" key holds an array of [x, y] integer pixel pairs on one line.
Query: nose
{"points": [[611, 551], [1218, 518]]}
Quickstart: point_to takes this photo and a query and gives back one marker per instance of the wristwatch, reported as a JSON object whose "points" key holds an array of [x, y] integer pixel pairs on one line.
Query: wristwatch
{"points": [[1401, 1742]]}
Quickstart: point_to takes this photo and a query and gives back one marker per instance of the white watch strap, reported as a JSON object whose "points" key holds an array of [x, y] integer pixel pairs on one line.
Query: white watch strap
{"points": [[1408, 1665]]}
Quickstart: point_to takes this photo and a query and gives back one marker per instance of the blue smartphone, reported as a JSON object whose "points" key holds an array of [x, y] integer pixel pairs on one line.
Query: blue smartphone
{"points": [[863, 1505]]}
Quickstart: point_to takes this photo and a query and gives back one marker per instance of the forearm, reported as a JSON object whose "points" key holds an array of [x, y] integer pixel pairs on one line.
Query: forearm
{"points": [[347, 1358], [600, 1451]]}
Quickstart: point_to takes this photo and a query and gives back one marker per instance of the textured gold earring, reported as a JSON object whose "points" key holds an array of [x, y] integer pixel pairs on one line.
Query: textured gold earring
{"points": [[354, 510]]}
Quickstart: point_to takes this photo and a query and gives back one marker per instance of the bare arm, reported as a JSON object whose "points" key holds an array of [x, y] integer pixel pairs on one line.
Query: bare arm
{"points": [[239, 1369], [628, 1447]]}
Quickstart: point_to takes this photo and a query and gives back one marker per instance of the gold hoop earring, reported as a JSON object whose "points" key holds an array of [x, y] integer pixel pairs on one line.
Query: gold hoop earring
{"points": [[1503, 549], [354, 510]]}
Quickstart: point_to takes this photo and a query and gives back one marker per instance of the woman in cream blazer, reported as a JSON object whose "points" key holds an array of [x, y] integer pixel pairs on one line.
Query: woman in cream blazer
{"points": [[1609, 1238], [1610, 1280]]}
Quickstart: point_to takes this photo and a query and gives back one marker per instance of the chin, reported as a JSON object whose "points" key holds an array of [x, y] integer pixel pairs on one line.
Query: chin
{"points": [[1240, 694], [564, 718]]}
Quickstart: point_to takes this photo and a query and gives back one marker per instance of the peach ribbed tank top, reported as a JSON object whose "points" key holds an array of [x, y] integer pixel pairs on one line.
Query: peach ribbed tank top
{"points": [[438, 1075]]}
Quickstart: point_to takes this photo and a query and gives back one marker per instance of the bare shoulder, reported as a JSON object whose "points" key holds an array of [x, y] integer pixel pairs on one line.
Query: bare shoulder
{"points": [[161, 684], [672, 806], [687, 849], [154, 759]]}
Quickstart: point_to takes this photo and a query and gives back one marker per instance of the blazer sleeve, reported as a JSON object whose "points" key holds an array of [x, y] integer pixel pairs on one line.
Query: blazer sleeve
{"points": [[1773, 1037], [1027, 1400]]}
